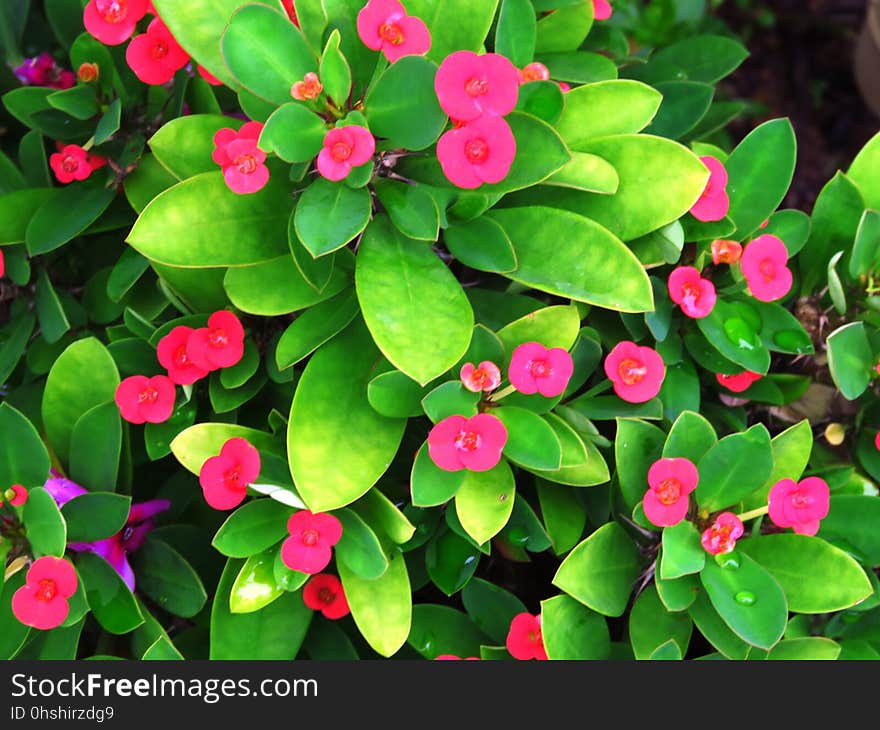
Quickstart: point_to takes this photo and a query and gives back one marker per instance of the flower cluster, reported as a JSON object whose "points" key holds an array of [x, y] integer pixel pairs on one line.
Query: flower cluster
{"points": [[43, 70], [188, 355], [383, 25]]}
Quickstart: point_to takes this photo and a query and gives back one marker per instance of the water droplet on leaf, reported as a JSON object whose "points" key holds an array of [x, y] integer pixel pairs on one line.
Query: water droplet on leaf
{"points": [[746, 598], [729, 560], [740, 334], [791, 340]]}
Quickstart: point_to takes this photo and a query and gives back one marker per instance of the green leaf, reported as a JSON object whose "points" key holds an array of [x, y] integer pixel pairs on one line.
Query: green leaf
{"points": [[274, 632], [334, 71], [542, 99], [253, 527], [491, 608], [95, 516], [23, 456], [716, 631], [685, 103], [850, 359], [600, 571], [690, 437], [572, 631], [734, 468], [162, 649], [451, 559], [734, 337], [812, 648], [580, 67], [586, 172], [481, 244], [195, 445], [455, 25], [565, 28], [586, 262], [555, 326], [110, 600], [865, 254], [168, 579], [484, 502], [53, 320], [67, 214], [677, 594], [330, 408], [255, 585], [16, 210], [748, 599], [381, 608], [184, 145], [294, 133], [265, 52], [531, 441], [315, 326], [13, 632], [200, 222], [109, 122], [816, 576], [792, 226], [651, 625], [582, 463], [682, 552], [853, 518], [95, 448], [637, 446], [426, 334], [626, 107], [359, 548], [432, 485], [82, 377], [562, 515], [402, 106], [330, 214], [44, 526], [515, 31], [759, 172], [395, 395], [411, 209], [706, 58], [146, 181], [863, 172], [440, 629]]}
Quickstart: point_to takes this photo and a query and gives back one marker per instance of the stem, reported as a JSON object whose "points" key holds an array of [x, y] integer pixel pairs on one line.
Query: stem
{"points": [[751, 514], [88, 145], [596, 389], [502, 393]]}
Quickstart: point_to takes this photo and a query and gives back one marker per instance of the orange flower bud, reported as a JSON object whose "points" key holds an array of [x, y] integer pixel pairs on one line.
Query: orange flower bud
{"points": [[725, 252], [88, 72]]}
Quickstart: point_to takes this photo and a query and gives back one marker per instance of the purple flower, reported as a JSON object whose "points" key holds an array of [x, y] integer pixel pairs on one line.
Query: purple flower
{"points": [[43, 71], [113, 549]]}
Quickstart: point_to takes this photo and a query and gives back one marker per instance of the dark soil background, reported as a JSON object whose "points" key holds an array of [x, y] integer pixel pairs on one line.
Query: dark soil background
{"points": [[801, 66]]}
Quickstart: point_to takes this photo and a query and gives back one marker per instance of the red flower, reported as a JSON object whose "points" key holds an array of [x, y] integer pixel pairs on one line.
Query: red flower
{"points": [[474, 443], [713, 203], [764, 266], [71, 163], [307, 89], [208, 76], [324, 593], [2, 264], [383, 25], [155, 56], [636, 372], [725, 252], [670, 482], [469, 86], [224, 478], [601, 9], [17, 495], [447, 657], [535, 369], [524, 640], [345, 148], [42, 601], [877, 441], [219, 345], [485, 378], [225, 136], [694, 294], [534, 71], [721, 537], [113, 21], [146, 400], [739, 382], [172, 356], [799, 505], [240, 158], [312, 537], [477, 152]]}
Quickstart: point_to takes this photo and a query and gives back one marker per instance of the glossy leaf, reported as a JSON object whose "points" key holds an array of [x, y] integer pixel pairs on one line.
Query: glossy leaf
{"points": [[23, 456], [572, 631], [850, 359], [95, 516], [44, 526], [484, 501], [440, 629], [432, 485], [167, 578], [682, 552], [110, 599], [184, 145], [734, 467], [252, 528], [330, 214], [651, 625], [491, 607]]}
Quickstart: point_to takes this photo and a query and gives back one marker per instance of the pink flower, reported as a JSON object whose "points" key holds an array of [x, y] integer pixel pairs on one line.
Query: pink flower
{"points": [[721, 537], [725, 252], [309, 88], [324, 593], [312, 536], [146, 400], [240, 158], [601, 9], [208, 76], [524, 639], [224, 478], [172, 356], [877, 441], [799, 505], [42, 601], [636, 372], [485, 378], [219, 345], [474, 443], [694, 294], [383, 25], [713, 203], [469, 86], [70, 163], [739, 382], [345, 148], [155, 56], [764, 266], [42, 70], [670, 482], [535, 369], [16, 495], [2, 264], [534, 71], [113, 21], [564, 87], [448, 657], [478, 152]]}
